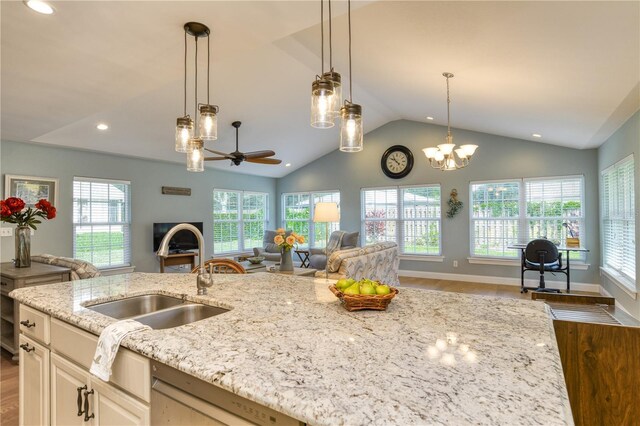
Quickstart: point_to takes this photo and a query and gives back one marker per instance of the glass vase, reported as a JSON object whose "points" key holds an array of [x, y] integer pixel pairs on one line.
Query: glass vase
{"points": [[23, 247], [286, 260]]}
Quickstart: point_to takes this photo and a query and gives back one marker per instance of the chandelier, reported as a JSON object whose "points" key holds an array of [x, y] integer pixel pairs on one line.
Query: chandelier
{"points": [[192, 133], [444, 156]]}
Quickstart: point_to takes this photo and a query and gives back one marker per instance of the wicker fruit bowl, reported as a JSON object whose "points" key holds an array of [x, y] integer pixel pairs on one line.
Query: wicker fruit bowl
{"points": [[358, 302]]}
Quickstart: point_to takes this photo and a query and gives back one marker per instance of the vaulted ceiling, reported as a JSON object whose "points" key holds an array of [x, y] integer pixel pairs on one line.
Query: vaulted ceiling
{"points": [[566, 70]]}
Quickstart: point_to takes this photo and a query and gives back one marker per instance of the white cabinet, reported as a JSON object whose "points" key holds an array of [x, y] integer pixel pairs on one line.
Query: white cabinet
{"points": [[77, 398], [34, 382]]}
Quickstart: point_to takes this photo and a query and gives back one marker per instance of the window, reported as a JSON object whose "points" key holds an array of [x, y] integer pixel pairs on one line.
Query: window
{"points": [[618, 219], [408, 215], [298, 215], [102, 222], [507, 212], [239, 220]]}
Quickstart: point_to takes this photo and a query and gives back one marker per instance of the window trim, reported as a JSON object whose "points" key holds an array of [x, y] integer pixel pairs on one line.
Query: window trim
{"points": [[128, 224], [523, 231], [240, 221], [399, 233]]}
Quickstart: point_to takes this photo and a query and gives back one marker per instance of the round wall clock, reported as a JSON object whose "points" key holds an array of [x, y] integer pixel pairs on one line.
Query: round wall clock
{"points": [[397, 161]]}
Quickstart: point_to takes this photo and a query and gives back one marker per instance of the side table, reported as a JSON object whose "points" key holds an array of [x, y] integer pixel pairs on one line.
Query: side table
{"points": [[12, 278], [303, 255]]}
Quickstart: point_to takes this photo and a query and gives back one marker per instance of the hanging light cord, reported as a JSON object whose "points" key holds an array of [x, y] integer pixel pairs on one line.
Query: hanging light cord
{"points": [[448, 113], [330, 40], [322, 35], [208, 65], [195, 97], [185, 73], [350, 77]]}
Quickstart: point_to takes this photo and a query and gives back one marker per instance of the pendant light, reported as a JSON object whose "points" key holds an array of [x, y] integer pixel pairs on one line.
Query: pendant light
{"points": [[334, 77], [208, 113], [184, 124], [321, 89], [195, 156], [443, 156], [351, 131]]}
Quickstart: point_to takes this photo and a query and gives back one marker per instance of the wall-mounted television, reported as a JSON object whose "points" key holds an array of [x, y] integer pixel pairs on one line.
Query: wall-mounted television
{"points": [[182, 241]]}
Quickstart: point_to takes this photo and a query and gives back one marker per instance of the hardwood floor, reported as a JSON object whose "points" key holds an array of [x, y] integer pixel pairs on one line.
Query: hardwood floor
{"points": [[9, 371], [8, 390]]}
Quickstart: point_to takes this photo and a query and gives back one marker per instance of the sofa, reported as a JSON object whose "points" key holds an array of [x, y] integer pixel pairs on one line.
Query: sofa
{"points": [[269, 250], [340, 240], [377, 262]]}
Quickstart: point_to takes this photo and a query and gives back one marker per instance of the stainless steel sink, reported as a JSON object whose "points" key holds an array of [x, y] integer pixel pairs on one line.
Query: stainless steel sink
{"points": [[135, 306], [179, 315]]}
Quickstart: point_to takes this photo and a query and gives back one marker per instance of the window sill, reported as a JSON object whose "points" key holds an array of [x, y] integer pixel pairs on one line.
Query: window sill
{"points": [[117, 271], [423, 258], [575, 265], [625, 284]]}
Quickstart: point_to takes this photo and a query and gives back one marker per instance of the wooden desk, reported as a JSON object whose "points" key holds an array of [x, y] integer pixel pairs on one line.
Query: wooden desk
{"points": [[178, 259], [12, 277]]}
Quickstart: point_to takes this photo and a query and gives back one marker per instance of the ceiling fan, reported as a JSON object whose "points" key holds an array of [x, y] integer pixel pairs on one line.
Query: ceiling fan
{"points": [[238, 157]]}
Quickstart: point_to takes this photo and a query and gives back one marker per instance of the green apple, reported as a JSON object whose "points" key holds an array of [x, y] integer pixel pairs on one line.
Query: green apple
{"points": [[383, 289], [352, 289]]}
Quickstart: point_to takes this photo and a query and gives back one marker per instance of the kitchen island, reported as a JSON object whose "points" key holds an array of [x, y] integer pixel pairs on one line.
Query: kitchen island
{"points": [[287, 344]]}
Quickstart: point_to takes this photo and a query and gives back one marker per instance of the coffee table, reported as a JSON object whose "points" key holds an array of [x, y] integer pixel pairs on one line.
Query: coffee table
{"points": [[301, 272], [260, 267]]}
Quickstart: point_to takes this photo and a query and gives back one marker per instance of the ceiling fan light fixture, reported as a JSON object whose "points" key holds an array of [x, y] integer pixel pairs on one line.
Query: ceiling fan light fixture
{"points": [[184, 133], [351, 130], [208, 122], [321, 99], [195, 156]]}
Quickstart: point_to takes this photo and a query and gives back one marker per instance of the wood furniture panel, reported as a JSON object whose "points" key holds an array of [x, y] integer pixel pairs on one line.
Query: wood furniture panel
{"points": [[34, 383], [12, 277], [178, 259]]}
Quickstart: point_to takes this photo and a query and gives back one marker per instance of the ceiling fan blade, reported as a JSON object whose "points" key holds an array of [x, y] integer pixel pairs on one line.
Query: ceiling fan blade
{"points": [[259, 154], [224, 154], [215, 158], [263, 160]]}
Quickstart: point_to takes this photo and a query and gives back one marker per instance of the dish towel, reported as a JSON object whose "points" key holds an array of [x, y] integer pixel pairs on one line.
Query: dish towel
{"points": [[108, 345]]}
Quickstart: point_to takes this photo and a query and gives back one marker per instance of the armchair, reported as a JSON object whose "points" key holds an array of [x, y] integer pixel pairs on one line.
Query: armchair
{"points": [[269, 249], [339, 240]]}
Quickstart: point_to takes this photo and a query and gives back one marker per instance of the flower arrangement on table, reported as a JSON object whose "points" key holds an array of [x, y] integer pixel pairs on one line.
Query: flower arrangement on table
{"points": [[13, 211], [287, 243]]}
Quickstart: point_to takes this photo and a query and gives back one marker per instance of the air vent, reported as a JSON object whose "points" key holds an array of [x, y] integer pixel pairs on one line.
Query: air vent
{"points": [[596, 314]]}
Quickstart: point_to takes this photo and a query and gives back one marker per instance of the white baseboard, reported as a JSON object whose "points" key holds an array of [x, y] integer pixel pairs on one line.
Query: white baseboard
{"points": [[484, 279]]}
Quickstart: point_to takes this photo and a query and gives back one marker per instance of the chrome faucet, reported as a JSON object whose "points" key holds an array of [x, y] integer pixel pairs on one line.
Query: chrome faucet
{"points": [[203, 282]]}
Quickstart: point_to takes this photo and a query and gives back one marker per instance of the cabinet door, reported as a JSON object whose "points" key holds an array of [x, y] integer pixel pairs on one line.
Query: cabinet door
{"points": [[68, 382], [113, 407], [34, 383]]}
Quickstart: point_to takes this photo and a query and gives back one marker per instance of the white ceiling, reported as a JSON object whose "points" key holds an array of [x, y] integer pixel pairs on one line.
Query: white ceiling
{"points": [[567, 70]]}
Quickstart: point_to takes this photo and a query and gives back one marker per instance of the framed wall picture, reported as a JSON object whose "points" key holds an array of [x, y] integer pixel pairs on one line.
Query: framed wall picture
{"points": [[31, 188]]}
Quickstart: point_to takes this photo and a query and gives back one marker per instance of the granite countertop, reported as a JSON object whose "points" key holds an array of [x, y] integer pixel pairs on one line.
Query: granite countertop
{"points": [[431, 358]]}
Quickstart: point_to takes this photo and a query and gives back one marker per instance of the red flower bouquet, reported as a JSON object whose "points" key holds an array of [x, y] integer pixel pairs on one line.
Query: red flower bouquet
{"points": [[12, 210]]}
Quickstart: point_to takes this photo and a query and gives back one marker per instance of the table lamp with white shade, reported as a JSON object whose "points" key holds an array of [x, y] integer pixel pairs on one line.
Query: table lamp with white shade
{"points": [[327, 213]]}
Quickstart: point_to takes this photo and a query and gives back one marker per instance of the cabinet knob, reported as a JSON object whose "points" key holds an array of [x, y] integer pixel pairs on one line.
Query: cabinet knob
{"points": [[26, 348], [28, 324]]}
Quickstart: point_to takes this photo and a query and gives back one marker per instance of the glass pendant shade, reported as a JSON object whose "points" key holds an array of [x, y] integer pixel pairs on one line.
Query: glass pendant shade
{"points": [[446, 148], [469, 149], [461, 154], [321, 98], [430, 152], [208, 124], [184, 133], [351, 131], [336, 98], [195, 157]]}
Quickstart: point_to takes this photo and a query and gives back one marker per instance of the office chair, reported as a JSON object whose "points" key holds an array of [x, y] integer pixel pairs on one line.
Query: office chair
{"points": [[541, 255]]}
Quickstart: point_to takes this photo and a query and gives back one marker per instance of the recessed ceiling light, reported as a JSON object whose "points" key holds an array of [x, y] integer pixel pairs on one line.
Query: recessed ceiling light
{"points": [[429, 118], [536, 135], [102, 126], [288, 165], [39, 6]]}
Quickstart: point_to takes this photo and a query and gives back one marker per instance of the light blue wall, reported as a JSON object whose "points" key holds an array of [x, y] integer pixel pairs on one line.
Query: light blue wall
{"points": [[625, 141], [148, 205], [497, 158]]}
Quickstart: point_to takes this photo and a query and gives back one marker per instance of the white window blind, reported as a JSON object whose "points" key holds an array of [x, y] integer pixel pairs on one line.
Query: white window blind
{"points": [[102, 221], [239, 220], [408, 215], [298, 210], [495, 212], [618, 218]]}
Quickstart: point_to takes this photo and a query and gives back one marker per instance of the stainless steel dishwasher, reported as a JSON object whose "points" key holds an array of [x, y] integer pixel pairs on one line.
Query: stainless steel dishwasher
{"points": [[180, 399]]}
